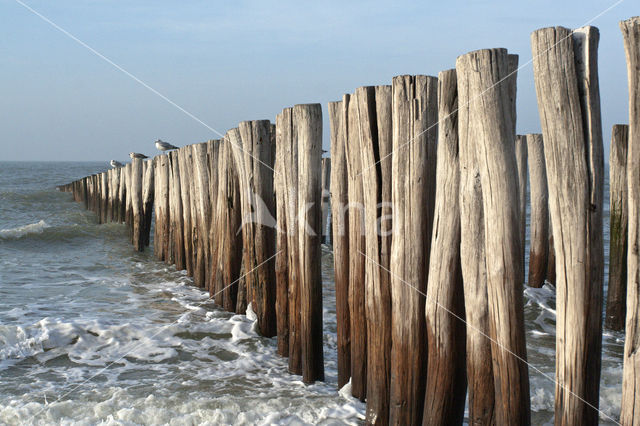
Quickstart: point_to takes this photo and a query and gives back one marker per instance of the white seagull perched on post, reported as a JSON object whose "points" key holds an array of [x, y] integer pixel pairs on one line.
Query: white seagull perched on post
{"points": [[116, 164], [164, 146], [137, 155]]}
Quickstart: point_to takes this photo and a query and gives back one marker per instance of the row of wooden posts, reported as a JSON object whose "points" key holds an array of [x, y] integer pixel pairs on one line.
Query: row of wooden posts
{"points": [[428, 184]]}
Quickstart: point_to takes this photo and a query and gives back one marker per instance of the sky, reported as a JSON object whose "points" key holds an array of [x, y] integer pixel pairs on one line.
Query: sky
{"points": [[217, 63]]}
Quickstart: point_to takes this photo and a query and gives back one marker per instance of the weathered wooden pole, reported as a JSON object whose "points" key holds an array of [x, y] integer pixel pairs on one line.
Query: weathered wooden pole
{"points": [[472, 253], [340, 238], [176, 254], [281, 187], [446, 335], [200, 176], [308, 134], [539, 223], [148, 195], [136, 204], [183, 157], [325, 182], [285, 136], [122, 195], [259, 264], [630, 407], [104, 196], [414, 120], [357, 246], [161, 203], [565, 73], [375, 138], [235, 146], [213, 163], [617, 292], [489, 118], [228, 252], [521, 163]]}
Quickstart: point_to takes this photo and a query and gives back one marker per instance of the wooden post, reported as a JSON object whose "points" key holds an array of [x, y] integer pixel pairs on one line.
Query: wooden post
{"points": [[148, 196], [340, 238], [122, 195], [235, 145], [228, 241], [414, 118], [539, 224], [357, 246], [281, 186], [472, 253], [375, 138], [446, 376], [325, 182], [521, 163], [630, 413], [176, 254], [566, 84], [213, 163], [489, 120], [308, 134], [184, 194], [136, 204], [258, 221], [285, 136], [161, 191], [104, 196], [617, 292], [200, 176]]}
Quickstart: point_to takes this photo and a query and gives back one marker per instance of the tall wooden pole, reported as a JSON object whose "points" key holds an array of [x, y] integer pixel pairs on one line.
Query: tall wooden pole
{"points": [[446, 335], [377, 290], [340, 238], [308, 134], [521, 163], [282, 252], [539, 196], [414, 118], [565, 74], [630, 413], [489, 117], [619, 219], [357, 246]]}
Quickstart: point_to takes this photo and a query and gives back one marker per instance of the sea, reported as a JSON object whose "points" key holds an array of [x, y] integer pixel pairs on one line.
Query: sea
{"points": [[93, 332]]}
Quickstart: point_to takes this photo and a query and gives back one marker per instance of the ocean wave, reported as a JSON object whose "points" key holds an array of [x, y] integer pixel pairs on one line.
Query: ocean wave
{"points": [[21, 231]]}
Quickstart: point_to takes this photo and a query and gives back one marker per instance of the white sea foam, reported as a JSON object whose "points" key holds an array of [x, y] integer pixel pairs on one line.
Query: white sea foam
{"points": [[21, 231]]}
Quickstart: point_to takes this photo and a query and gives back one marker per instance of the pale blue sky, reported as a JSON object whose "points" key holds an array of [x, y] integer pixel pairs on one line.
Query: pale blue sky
{"points": [[231, 61]]}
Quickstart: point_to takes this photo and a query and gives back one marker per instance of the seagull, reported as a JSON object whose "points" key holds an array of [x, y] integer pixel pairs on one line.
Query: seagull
{"points": [[137, 155], [164, 146], [115, 164]]}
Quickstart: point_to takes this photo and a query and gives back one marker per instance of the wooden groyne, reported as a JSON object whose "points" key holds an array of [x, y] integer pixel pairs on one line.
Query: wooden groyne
{"points": [[426, 186]]}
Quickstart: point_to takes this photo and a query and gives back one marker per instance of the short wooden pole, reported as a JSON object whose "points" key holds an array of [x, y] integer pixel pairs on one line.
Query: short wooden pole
{"points": [[617, 291], [235, 145], [539, 223]]}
